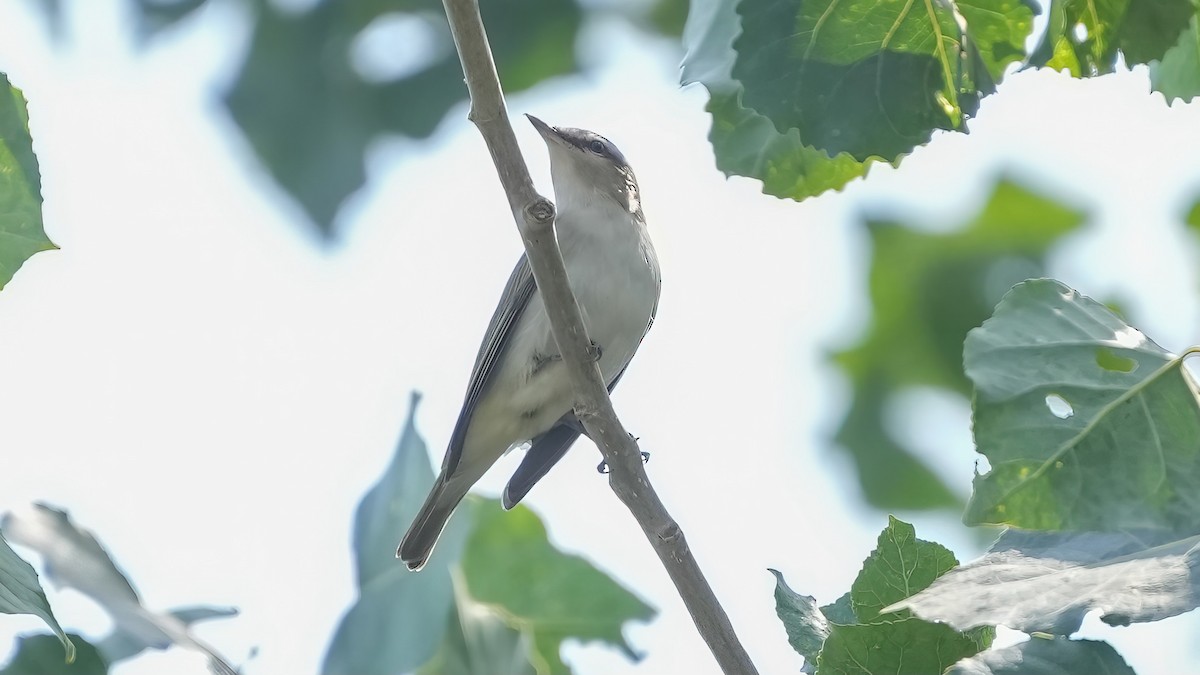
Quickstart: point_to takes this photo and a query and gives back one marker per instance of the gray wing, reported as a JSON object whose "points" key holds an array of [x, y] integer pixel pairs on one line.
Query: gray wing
{"points": [[517, 291], [545, 450]]}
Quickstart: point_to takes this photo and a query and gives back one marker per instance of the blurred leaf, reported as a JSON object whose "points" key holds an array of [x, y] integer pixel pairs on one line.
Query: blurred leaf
{"points": [[1085, 36], [478, 642], [908, 646], [310, 115], [155, 16], [1087, 423], [1047, 581], [119, 645], [75, 559], [52, 11], [1046, 657], [891, 476], [806, 626], [1177, 76], [400, 617], [21, 593], [21, 233], [870, 78], [43, 655], [509, 563], [899, 566], [669, 16], [1192, 219], [303, 108], [927, 290]]}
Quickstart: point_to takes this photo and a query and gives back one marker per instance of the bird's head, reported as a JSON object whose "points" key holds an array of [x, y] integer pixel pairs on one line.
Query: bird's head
{"points": [[588, 170]]}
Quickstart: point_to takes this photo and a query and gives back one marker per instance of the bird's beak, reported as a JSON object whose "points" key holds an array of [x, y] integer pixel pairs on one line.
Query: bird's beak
{"points": [[548, 132]]}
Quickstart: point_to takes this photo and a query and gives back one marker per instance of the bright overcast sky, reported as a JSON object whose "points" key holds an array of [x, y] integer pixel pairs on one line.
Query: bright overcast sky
{"points": [[211, 393]]}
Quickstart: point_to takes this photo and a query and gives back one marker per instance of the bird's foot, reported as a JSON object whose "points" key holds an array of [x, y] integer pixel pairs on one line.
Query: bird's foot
{"points": [[603, 467], [595, 351]]}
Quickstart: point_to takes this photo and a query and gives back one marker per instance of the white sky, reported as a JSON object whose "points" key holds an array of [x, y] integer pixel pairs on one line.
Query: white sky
{"points": [[211, 393]]}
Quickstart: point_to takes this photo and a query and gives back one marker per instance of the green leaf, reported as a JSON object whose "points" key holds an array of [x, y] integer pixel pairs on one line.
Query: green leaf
{"points": [[509, 563], [899, 566], [872, 79], [42, 655], [840, 610], [997, 29], [927, 290], [744, 142], [1084, 37], [1048, 581], [74, 558], [908, 646], [1046, 657], [21, 593], [859, 634], [478, 642], [399, 619], [1087, 423], [21, 233], [747, 144], [806, 626], [1177, 75]]}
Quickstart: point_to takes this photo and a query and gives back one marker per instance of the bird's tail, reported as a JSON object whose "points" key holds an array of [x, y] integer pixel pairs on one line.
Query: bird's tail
{"points": [[418, 542]]}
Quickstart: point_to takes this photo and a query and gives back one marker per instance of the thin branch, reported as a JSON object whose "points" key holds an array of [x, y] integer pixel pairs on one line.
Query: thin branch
{"points": [[535, 219]]}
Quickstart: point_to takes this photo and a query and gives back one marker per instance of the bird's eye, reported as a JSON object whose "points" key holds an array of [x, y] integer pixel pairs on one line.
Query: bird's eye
{"points": [[596, 147]]}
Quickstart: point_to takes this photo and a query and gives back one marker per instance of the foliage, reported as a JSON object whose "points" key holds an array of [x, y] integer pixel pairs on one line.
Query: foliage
{"points": [[1040, 656], [74, 558], [1088, 424], [818, 89], [927, 290], [21, 593], [495, 590], [1177, 74], [21, 233], [310, 110], [860, 637], [42, 655], [1092, 430], [1089, 428]]}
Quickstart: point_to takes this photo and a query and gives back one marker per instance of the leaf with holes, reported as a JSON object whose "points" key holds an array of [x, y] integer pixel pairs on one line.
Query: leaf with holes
{"points": [[1086, 422], [928, 289], [1048, 581]]}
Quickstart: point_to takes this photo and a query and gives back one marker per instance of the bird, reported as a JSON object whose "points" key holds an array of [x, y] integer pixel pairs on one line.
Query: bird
{"points": [[519, 391]]}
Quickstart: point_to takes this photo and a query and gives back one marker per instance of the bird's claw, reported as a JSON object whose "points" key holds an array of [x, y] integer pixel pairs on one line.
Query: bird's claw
{"points": [[595, 351], [602, 467]]}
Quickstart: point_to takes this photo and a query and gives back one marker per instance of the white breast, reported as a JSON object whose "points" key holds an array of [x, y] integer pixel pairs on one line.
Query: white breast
{"points": [[614, 275]]}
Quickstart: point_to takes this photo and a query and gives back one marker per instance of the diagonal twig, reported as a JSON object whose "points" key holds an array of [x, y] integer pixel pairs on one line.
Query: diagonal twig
{"points": [[535, 220]]}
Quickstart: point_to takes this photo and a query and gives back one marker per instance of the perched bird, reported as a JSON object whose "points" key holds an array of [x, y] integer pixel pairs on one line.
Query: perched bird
{"points": [[519, 391]]}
